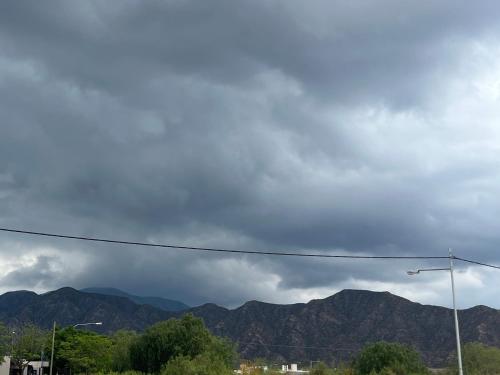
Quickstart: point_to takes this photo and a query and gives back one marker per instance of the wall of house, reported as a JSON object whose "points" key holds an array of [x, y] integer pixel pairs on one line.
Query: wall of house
{"points": [[5, 366]]}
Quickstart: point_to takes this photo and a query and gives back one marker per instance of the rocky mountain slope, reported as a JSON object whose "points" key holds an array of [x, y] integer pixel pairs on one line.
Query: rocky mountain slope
{"points": [[162, 303], [334, 328]]}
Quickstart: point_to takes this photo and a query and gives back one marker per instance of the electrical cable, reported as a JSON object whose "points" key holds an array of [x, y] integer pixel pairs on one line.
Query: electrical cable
{"points": [[254, 252], [208, 249], [477, 263], [329, 348], [297, 346]]}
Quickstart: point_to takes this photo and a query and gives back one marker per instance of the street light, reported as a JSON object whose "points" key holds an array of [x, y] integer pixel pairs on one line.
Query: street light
{"points": [[457, 331], [12, 344], [411, 273], [88, 324], [314, 362], [54, 339]]}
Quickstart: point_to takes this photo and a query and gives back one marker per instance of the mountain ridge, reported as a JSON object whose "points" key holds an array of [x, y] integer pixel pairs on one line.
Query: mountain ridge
{"points": [[331, 329]]}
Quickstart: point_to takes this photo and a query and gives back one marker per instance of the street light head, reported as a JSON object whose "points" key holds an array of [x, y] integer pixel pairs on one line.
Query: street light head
{"points": [[412, 273], [88, 324]]}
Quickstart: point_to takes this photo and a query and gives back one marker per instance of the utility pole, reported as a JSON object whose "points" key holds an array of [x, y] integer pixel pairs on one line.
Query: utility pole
{"points": [[54, 339], [52, 352], [317, 361], [455, 313], [457, 332], [41, 362], [12, 344]]}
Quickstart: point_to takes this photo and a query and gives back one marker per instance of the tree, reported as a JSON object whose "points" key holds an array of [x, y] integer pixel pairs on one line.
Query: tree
{"points": [[82, 350], [5, 342], [321, 369], [479, 359], [389, 359], [27, 344], [185, 337], [120, 352]]}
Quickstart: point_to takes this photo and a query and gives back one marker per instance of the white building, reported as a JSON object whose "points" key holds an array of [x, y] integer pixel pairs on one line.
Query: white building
{"points": [[32, 368], [36, 368], [246, 368], [292, 370], [5, 366]]}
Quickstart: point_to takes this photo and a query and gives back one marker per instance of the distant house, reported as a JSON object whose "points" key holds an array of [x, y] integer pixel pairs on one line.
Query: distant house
{"points": [[247, 368], [5, 366], [33, 368], [292, 370]]}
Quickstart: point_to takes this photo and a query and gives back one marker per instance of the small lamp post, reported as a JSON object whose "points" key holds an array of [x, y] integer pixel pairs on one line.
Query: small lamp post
{"points": [[54, 338]]}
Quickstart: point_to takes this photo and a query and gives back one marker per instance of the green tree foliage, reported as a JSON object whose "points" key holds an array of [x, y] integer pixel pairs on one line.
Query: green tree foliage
{"points": [[384, 358], [321, 369], [185, 339], [27, 344], [479, 359], [5, 341], [254, 367], [120, 351], [82, 351], [203, 364]]}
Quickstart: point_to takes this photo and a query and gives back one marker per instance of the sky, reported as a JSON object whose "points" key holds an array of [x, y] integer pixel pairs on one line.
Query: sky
{"points": [[336, 127]]}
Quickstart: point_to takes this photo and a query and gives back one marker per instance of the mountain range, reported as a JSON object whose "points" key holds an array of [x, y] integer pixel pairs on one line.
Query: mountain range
{"points": [[332, 329], [68, 306]]}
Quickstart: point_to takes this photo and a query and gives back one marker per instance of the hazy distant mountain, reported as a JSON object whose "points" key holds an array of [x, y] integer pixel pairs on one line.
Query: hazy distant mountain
{"points": [[161, 303], [333, 328]]}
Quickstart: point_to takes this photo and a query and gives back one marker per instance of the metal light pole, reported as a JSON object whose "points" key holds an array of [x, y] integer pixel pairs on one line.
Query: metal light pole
{"points": [[455, 314], [52, 352], [314, 362], [54, 339], [12, 344], [457, 331], [41, 360]]}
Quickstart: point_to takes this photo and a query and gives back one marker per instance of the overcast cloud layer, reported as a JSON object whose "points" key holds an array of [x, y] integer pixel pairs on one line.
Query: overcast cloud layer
{"points": [[345, 127]]}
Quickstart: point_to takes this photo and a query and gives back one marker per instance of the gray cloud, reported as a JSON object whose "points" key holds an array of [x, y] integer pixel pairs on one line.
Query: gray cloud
{"points": [[249, 125], [39, 274], [340, 51]]}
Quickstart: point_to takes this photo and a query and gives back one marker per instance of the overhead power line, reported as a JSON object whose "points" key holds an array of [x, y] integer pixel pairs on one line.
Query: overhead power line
{"points": [[209, 249], [234, 251], [477, 263], [330, 348]]}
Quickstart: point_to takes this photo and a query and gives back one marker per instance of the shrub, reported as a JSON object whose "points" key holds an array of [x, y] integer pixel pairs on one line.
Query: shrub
{"points": [[389, 359], [203, 364], [479, 359], [321, 369]]}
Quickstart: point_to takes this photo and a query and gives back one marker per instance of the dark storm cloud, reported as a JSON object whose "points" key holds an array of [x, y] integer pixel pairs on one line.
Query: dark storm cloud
{"points": [[259, 125], [340, 51]]}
